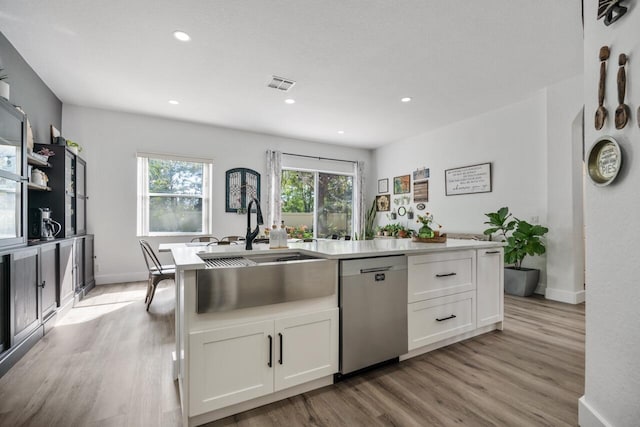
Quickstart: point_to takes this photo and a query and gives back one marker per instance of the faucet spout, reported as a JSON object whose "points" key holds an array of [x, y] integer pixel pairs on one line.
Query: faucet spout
{"points": [[252, 234]]}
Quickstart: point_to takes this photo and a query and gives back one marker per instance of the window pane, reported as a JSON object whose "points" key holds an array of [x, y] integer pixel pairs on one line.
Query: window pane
{"points": [[175, 177], [335, 205], [298, 201], [175, 214]]}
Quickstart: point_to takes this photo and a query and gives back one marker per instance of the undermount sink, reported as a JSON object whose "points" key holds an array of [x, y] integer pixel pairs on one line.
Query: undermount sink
{"points": [[232, 283]]}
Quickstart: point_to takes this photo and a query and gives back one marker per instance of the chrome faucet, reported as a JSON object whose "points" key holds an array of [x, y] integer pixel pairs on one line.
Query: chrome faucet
{"points": [[252, 234]]}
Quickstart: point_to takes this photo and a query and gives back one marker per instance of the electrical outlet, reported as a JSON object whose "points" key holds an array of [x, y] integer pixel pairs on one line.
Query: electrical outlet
{"points": [[535, 219], [97, 268]]}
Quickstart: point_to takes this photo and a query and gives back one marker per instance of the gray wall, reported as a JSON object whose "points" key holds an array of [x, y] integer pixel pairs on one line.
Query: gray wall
{"points": [[29, 92]]}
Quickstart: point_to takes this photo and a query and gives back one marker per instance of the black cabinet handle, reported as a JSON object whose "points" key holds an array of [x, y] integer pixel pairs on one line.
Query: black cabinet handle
{"points": [[492, 252], [280, 336], [453, 316], [44, 282], [446, 275], [270, 351]]}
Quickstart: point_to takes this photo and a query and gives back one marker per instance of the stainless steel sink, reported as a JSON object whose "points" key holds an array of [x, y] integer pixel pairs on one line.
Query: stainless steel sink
{"points": [[262, 279]]}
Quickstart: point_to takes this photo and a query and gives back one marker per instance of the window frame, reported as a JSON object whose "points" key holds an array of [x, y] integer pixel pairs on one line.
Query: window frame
{"points": [[144, 196], [316, 180]]}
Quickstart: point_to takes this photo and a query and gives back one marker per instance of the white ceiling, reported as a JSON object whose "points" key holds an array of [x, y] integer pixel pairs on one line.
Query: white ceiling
{"points": [[352, 59]]}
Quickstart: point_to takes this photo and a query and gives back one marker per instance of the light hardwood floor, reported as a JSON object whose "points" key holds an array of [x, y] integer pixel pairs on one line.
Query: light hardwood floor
{"points": [[107, 364]]}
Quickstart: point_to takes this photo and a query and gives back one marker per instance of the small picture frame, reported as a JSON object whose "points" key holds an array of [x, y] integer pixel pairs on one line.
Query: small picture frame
{"points": [[421, 191], [420, 174], [402, 184], [383, 185], [383, 203]]}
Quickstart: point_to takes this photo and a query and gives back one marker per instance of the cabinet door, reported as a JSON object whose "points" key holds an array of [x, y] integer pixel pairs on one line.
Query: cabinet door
{"points": [[66, 277], [306, 348], [4, 305], [436, 319], [78, 263], [49, 278], [230, 365], [25, 311], [490, 286], [88, 260], [439, 274]]}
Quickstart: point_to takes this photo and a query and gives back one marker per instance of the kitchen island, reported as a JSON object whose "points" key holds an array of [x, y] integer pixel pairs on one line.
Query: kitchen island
{"points": [[230, 359]]}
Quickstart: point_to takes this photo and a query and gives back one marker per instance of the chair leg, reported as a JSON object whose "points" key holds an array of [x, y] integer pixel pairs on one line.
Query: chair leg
{"points": [[146, 298], [154, 285]]}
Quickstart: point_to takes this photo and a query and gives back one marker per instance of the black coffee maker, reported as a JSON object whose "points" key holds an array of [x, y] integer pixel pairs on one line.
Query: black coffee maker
{"points": [[49, 228]]}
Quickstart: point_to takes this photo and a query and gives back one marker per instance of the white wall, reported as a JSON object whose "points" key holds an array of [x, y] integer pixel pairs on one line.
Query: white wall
{"points": [[565, 246], [513, 139], [612, 377], [111, 140]]}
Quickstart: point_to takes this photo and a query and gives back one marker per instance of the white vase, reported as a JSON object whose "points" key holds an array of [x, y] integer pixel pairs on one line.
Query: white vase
{"points": [[4, 89]]}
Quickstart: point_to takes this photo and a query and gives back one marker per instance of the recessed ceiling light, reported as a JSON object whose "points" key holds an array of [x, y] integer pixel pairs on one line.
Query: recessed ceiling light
{"points": [[182, 36], [406, 99], [289, 101], [173, 102], [341, 132]]}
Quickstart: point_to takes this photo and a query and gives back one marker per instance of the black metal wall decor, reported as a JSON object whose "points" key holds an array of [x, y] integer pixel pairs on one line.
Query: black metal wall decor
{"points": [[242, 184], [610, 10]]}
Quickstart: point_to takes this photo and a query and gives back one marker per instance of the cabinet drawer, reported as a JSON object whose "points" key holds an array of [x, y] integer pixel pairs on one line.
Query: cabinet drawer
{"points": [[436, 319], [437, 275]]}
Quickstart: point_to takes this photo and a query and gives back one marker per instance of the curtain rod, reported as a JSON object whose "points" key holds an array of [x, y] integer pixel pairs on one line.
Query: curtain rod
{"points": [[319, 158]]}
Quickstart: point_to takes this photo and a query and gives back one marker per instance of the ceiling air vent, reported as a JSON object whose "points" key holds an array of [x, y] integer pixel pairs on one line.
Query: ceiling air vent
{"points": [[281, 83]]}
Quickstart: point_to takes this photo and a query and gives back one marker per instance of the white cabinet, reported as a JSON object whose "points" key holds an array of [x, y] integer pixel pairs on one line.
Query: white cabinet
{"points": [[230, 365], [490, 283], [307, 348], [440, 318], [238, 363], [439, 274]]}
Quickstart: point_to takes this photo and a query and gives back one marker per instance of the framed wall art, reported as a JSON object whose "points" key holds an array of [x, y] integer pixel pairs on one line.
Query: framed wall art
{"points": [[241, 185], [402, 184], [383, 185], [420, 174], [383, 203], [468, 180], [421, 191]]}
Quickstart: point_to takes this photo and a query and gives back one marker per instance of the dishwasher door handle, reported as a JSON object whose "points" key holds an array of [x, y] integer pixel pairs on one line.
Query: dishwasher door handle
{"points": [[374, 270]]}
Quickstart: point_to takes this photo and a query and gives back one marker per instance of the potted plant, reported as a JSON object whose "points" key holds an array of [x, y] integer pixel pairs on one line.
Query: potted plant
{"points": [[426, 230], [369, 219], [404, 232], [524, 239], [74, 146], [4, 86]]}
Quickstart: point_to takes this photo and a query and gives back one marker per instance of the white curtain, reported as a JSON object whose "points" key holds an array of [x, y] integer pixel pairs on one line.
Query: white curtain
{"points": [[274, 178], [358, 207]]}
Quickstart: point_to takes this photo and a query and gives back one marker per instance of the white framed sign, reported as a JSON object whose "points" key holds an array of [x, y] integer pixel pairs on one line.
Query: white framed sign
{"points": [[468, 180]]}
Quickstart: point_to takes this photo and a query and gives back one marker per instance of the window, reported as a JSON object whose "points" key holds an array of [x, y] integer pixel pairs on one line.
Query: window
{"points": [[317, 204], [174, 195]]}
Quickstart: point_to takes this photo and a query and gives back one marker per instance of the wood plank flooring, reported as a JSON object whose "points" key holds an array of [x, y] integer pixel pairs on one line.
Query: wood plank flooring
{"points": [[107, 364]]}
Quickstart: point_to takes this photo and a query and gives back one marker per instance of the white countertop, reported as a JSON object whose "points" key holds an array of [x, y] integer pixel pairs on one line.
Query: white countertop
{"points": [[185, 256]]}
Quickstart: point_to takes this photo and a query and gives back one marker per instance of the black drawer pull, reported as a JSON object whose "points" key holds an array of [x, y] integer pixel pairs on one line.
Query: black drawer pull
{"points": [[280, 336], [446, 275], [270, 351], [492, 252], [44, 282], [453, 316]]}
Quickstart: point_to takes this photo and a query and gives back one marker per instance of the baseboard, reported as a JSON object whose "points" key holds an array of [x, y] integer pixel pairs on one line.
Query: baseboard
{"points": [[589, 417], [565, 296], [104, 279]]}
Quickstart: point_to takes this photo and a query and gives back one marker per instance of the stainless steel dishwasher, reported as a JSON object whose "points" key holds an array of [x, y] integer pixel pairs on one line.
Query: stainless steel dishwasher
{"points": [[373, 311]]}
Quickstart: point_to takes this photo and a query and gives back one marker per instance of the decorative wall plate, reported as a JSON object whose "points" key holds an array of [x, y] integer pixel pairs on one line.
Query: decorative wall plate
{"points": [[604, 161], [421, 206]]}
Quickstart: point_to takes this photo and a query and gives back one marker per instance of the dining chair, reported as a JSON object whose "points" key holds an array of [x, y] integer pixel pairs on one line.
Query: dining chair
{"points": [[205, 239], [157, 271], [231, 239]]}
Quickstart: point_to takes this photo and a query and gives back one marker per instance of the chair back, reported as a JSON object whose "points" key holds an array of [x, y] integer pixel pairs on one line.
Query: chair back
{"points": [[205, 239], [232, 239], [150, 257]]}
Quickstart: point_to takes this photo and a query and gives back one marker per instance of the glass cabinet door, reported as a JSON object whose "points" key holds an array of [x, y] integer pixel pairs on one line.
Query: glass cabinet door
{"points": [[10, 208], [12, 188]]}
